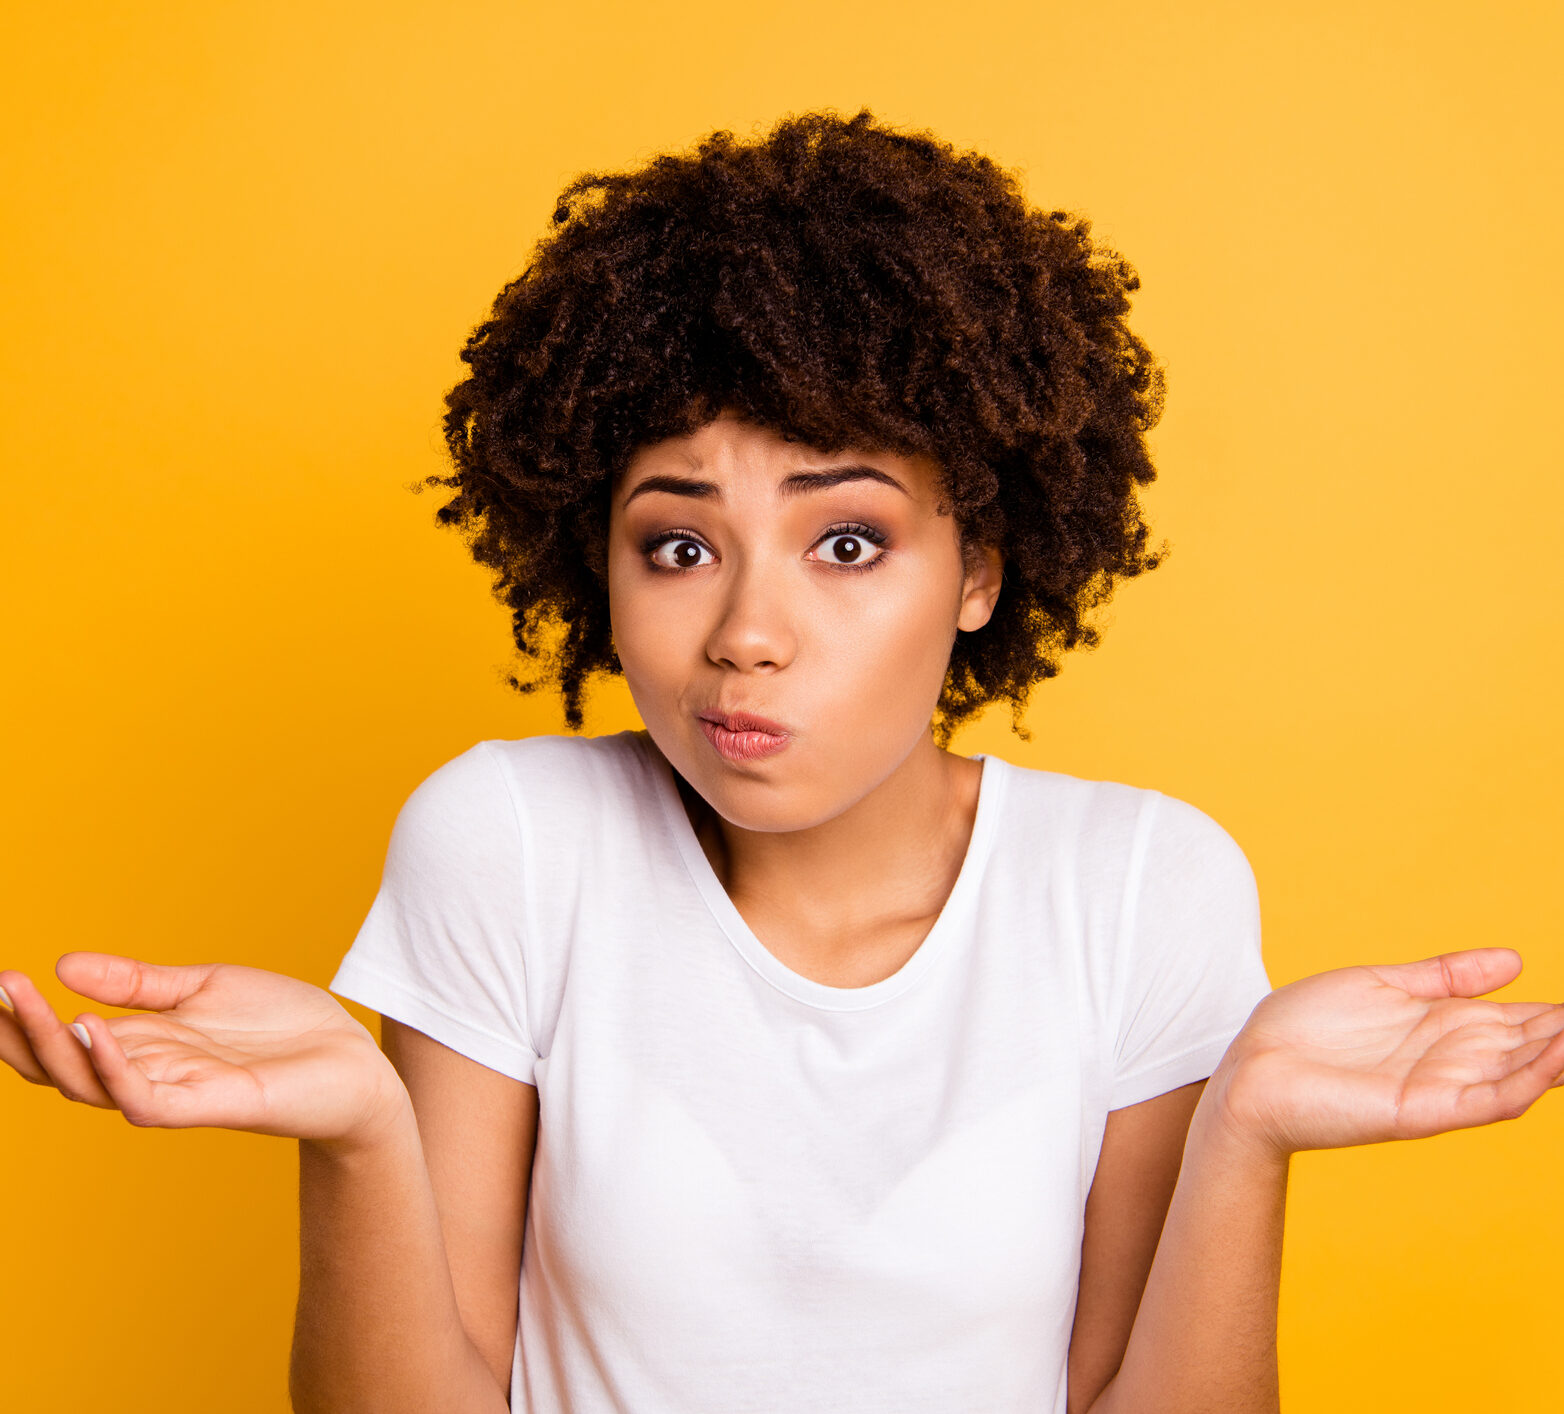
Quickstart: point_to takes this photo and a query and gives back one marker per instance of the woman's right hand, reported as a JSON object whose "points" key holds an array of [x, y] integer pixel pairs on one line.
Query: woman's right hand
{"points": [[217, 1044]]}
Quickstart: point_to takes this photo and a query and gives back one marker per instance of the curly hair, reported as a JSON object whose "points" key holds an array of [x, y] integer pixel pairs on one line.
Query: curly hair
{"points": [[843, 284]]}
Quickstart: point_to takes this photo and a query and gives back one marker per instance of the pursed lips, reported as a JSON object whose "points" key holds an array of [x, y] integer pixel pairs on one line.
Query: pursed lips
{"points": [[744, 722]]}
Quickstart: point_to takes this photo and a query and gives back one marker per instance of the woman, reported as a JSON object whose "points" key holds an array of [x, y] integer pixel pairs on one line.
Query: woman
{"points": [[776, 1057]]}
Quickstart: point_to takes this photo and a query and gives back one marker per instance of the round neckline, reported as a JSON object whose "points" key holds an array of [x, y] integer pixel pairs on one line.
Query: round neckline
{"points": [[794, 984]]}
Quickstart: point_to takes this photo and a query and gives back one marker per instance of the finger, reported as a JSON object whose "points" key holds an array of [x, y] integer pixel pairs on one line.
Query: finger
{"points": [[61, 1054], [1512, 1095], [17, 1052], [1523, 1013], [128, 1087], [1469, 973], [1543, 1024], [1539, 1032], [116, 980]]}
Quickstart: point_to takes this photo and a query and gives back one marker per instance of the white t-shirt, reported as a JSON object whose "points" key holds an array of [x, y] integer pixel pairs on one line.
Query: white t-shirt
{"points": [[756, 1192]]}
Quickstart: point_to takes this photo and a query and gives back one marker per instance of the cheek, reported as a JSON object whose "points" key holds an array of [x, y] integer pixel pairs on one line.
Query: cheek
{"points": [[653, 644], [890, 652], [635, 632]]}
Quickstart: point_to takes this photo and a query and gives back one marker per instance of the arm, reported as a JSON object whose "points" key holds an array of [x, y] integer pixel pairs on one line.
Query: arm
{"points": [[1360, 1055], [380, 1327], [1204, 1336], [479, 1131], [410, 1244], [1137, 1168]]}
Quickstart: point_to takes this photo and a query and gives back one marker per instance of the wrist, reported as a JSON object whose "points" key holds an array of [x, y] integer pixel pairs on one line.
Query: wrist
{"points": [[1227, 1119], [379, 1117]]}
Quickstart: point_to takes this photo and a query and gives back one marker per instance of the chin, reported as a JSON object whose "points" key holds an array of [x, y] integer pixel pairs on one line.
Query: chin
{"points": [[777, 817], [777, 801]]}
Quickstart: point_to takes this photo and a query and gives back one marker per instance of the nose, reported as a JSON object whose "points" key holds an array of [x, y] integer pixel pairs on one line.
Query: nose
{"points": [[754, 629]]}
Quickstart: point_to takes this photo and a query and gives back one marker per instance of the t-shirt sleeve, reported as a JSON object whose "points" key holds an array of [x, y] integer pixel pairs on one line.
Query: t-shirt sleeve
{"points": [[1190, 967], [441, 949]]}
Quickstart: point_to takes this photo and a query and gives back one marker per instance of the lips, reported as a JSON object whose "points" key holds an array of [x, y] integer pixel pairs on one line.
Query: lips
{"points": [[744, 722], [742, 736]]}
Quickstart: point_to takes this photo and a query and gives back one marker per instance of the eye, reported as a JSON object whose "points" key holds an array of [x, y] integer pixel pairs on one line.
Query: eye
{"points": [[674, 550], [851, 546]]}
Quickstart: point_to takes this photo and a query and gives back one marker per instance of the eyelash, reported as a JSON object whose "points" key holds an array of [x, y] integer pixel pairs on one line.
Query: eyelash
{"points": [[856, 529]]}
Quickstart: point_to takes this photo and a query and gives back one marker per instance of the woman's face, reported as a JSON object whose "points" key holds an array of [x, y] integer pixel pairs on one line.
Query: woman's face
{"points": [[749, 574]]}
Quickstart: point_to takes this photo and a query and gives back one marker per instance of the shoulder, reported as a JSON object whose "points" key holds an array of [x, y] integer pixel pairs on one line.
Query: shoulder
{"points": [[477, 805], [555, 768], [1034, 791], [582, 764], [1113, 828]]}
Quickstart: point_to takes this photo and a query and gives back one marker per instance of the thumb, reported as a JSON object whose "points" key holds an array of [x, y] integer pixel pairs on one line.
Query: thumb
{"points": [[1469, 973], [126, 981]]}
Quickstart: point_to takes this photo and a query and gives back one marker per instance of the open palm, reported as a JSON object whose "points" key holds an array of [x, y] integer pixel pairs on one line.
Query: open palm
{"points": [[1366, 1054], [218, 1044]]}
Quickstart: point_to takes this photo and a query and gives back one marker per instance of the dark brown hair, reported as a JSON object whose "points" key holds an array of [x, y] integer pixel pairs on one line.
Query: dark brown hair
{"points": [[844, 284]]}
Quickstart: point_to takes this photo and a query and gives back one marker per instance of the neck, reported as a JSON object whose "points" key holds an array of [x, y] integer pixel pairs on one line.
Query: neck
{"points": [[871, 880]]}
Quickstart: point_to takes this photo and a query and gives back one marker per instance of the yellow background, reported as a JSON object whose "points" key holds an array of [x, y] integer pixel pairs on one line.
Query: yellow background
{"points": [[244, 244]]}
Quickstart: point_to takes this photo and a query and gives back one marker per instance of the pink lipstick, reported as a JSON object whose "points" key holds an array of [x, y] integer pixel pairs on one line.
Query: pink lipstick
{"points": [[741, 736]]}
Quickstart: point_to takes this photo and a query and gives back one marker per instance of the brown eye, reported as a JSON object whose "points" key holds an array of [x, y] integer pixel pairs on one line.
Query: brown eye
{"points": [[679, 554], [841, 548]]}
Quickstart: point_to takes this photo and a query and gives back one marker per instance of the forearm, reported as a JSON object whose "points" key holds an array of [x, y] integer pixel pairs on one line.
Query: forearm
{"points": [[1204, 1337], [377, 1328]]}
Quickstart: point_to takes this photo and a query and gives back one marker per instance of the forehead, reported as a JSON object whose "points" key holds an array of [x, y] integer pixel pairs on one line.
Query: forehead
{"points": [[729, 458]]}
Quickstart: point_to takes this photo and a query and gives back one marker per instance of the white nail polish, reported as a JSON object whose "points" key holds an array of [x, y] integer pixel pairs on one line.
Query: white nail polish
{"points": [[81, 1034], [5, 997]]}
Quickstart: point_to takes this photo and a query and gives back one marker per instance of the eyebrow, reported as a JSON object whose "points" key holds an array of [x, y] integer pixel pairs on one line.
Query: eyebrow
{"points": [[795, 485]]}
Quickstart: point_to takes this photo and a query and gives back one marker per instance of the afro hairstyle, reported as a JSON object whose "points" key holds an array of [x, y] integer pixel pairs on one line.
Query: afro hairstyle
{"points": [[844, 284]]}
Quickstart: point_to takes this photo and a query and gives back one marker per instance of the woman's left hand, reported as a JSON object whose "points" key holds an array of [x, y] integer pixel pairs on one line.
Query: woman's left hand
{"points": [[1365, 1054]]}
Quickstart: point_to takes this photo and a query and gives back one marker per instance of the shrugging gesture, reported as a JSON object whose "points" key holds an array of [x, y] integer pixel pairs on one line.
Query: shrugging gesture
{"points": [[220, 1045], [1354, 1056], [1365, 1054]]}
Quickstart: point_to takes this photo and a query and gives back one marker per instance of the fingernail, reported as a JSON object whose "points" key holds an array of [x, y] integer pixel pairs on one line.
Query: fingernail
{"points": [[81, 1034], [5, 997]]}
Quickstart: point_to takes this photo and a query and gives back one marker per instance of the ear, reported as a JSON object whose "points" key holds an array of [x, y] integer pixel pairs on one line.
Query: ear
{"points": [[980, 589]]}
